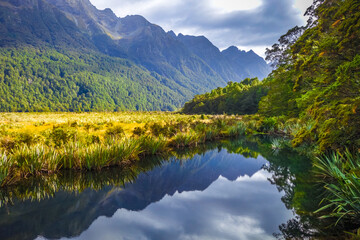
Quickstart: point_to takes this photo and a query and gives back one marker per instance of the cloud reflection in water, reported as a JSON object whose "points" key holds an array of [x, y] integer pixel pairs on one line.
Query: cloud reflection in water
{"points": [[248, 208]]}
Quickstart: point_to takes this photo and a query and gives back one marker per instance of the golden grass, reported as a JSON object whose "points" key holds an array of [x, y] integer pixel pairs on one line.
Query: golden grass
{"points": [[38, 122], [43, 143]]}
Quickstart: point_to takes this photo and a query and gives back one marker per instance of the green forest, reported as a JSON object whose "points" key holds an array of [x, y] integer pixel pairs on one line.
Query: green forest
{"points": [[235, 98], [316, 79], [45, 79]]}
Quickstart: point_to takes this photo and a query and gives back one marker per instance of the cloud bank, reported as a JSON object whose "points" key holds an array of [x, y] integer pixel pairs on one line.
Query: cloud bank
{"points": [[254, 24]]}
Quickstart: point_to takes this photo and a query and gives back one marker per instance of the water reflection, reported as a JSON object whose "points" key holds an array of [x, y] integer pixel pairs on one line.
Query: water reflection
{"points": [[201, 194], [247, 208]]}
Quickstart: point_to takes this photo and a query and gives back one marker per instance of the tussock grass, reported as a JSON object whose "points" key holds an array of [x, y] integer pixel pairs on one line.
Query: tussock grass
{"points": [[33, 144], [151, 145], [237, 130], [187, 139]]}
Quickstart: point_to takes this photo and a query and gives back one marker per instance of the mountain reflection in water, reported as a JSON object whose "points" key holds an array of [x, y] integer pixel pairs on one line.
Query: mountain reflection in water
{"points": [[214, 195], [247, 208]]}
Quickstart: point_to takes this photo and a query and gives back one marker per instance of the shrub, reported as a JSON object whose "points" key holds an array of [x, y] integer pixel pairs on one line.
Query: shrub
{"points": [[156, 129], [186, 139], [7, 143], [4, 167], [27, 138], [60, 136], [138, 131], [115, 132], [269, 125], [92, 139], [237, 130], [220, 123]]}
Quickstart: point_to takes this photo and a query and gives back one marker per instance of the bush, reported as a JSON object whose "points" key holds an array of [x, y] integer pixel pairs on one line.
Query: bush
{"points": [[7, 143], [138, 131], [237, 130], [27, 138], [151, 145], [269, 125], [156, 129], [115, 132], [60, 136], [93, 139]]}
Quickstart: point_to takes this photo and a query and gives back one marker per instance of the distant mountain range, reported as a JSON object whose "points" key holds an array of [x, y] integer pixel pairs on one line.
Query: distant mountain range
{"points": [[116, 63]]}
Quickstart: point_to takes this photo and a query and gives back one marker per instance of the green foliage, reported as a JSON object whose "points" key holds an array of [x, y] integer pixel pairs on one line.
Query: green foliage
{"points": [[75, 140], [138, 131], [189, 139], [237, 130], [235, 98], [5, 167], [269, 125], [341, 176], [318, 76], [60, 135], [152, 145], [41, 80], [7, 143], [115, 132]]}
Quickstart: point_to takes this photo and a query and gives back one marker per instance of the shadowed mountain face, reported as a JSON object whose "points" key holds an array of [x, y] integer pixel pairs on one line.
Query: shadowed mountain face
{"points": [[231, 64], [35, 23], [185, 65], [69, 214], [246, 64], [144, 43]]}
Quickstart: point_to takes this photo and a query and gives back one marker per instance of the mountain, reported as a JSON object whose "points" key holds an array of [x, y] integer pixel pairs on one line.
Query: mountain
{"points": [[231, 64], [145, 43], [246, 64], [35, 23], [141, 59]]}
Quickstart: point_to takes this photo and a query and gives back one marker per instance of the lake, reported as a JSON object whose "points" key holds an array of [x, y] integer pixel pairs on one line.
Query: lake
{"points": [[231, 190]]}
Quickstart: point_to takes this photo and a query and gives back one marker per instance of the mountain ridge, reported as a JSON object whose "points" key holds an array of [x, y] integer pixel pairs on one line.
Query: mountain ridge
{"points": [[78, 26]]}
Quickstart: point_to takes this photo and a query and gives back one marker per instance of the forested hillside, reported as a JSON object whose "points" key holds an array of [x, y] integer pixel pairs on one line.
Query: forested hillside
{"points": [[317, 78], [47, 80], [235, 98]]}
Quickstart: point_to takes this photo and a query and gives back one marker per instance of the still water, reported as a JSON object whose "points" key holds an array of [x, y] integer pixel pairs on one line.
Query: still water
{"points": [[221, 193]]}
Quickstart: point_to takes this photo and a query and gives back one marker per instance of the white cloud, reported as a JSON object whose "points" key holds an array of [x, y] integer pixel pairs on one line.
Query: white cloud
{"points": [[302, 5], [227, 6], [259, 50]]}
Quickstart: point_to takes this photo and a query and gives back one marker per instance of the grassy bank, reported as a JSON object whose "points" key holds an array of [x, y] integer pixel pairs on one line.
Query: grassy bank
{"points": [[45, 143]]}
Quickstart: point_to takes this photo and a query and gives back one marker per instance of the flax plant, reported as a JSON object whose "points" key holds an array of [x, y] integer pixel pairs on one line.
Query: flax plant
{"points": [[340, 174]]}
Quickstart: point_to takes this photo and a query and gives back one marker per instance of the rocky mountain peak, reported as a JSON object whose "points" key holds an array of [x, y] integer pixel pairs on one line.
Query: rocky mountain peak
{"points": [[171, 34], [232, 49]]}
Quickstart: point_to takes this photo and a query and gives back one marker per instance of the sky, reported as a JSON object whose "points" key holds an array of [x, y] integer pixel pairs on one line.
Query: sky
{"points": [[247, 24]]}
